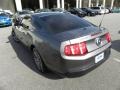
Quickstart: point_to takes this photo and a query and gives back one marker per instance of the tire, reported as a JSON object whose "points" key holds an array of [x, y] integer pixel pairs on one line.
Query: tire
{"points": [[14, 37], [38, 61], [89, 14]]}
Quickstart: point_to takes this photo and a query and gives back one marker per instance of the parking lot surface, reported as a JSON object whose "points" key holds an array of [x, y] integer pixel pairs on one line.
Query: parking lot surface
{"points": [[18, 72]]}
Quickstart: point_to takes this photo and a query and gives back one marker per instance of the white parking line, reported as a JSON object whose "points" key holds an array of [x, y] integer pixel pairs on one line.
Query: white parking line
{"points": [[118, 60]]}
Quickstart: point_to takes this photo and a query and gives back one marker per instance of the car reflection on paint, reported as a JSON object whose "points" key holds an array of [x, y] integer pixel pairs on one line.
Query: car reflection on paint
{"points": [[77, 11], [5, 20]]}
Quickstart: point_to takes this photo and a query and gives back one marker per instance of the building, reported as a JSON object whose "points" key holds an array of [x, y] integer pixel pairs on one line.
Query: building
{"points": [[8, 4], [18, 5]]}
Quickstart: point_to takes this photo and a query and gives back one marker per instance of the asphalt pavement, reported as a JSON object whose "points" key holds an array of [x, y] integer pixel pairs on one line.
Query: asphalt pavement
{"points": [[18, 72]]}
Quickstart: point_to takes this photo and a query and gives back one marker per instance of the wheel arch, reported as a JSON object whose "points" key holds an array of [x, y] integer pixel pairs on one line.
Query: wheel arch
{"points": [[31, 47]]}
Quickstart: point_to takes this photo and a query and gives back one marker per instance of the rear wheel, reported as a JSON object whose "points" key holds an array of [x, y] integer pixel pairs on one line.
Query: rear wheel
{"points": [[15, 37], [38, 61]]}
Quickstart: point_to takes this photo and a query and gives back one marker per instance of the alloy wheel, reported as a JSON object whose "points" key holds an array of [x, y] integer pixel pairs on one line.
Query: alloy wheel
{"points": [[38, 61]]}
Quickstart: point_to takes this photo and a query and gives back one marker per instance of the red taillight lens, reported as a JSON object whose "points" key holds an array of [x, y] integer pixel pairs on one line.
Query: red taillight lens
{"points": [[108, 38], [75, 49], [67, 50], [83, 48]]}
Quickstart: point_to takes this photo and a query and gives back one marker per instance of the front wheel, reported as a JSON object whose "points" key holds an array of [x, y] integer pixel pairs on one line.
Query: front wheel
{"points": [[38, 61]]}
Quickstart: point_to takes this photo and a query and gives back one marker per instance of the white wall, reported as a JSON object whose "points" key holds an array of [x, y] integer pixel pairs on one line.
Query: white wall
{"points": [[18, 5], [41, 4]]}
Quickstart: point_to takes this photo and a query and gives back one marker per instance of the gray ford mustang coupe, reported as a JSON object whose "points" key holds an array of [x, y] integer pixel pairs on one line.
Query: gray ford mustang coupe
{"points": [[63, 42]]}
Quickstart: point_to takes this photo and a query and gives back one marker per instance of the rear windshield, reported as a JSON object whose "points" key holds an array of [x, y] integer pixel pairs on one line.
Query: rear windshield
{"points": [[61, 23]]}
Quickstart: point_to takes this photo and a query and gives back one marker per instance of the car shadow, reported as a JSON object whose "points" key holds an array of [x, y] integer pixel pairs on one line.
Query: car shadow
{"points": [[25, 55], [116, 45]]}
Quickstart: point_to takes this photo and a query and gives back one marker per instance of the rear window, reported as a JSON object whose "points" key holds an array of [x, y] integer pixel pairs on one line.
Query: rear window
{"points": [[63, 22], [95, 8]]}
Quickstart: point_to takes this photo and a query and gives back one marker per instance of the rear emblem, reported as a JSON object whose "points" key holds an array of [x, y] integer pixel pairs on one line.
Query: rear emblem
{"points": [[98, 41]]}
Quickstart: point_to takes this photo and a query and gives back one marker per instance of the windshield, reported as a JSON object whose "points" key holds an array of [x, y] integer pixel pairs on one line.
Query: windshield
{"points": [[60, 23]]}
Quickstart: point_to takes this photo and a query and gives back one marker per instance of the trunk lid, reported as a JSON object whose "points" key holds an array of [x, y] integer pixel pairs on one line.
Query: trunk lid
{"points": [[77, 33], [91, 35]]}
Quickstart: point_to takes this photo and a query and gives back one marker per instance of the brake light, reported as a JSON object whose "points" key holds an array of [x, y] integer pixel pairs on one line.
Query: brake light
{"points": [[75, 49], [108, 38], [67, 50]]}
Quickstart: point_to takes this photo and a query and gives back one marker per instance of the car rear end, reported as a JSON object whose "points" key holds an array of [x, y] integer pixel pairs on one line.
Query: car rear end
{"points": [[97, 10], [79, 44], [83, 53]]}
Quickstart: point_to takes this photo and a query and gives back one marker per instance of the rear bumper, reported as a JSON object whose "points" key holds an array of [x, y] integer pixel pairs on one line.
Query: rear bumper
{"points": [[68, 67], [81, 66]]}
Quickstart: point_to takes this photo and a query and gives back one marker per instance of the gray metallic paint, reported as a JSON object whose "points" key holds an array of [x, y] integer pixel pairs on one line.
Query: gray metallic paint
{"points": [[51, 47]]}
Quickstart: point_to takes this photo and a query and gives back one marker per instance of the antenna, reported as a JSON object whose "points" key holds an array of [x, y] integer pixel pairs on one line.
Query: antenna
{"points": [[102, 19]]}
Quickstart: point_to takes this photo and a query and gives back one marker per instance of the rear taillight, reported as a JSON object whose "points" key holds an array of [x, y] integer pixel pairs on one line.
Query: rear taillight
{"points": [[75, 49], [107, 36]]}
